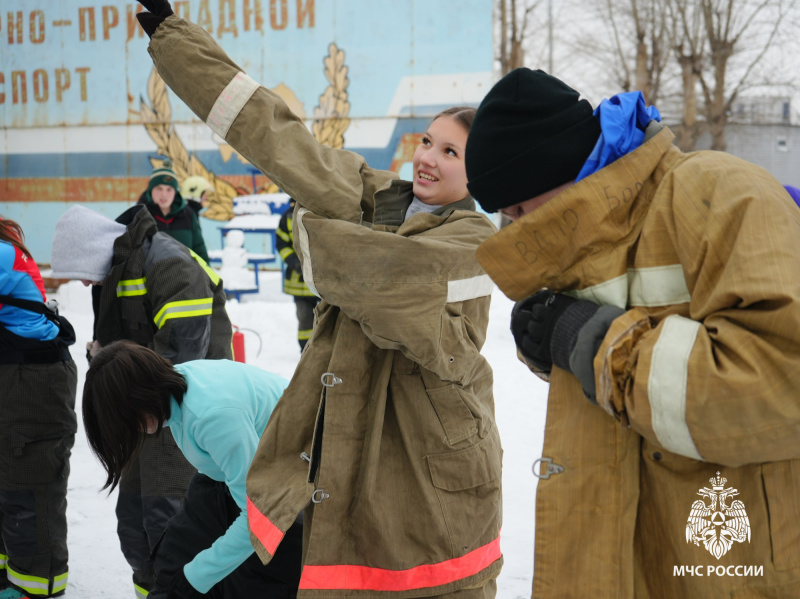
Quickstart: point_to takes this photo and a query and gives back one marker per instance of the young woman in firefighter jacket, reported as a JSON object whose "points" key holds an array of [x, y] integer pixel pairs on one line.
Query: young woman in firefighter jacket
{"points": [[386, 434], [293, 284], [216, 411], [156, 292], [37, 426]]}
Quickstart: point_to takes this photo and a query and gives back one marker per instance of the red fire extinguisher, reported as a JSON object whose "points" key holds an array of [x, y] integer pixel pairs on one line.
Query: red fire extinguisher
{"points": [[238, 344]]}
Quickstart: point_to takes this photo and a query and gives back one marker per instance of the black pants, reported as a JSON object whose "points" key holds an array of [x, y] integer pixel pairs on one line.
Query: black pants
{"points": [[208, 512], [150, 493], [37, 432], [304, 307]]}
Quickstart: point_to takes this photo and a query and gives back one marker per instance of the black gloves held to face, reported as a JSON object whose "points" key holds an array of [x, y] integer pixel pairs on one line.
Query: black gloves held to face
{"points": [[159, 10]]}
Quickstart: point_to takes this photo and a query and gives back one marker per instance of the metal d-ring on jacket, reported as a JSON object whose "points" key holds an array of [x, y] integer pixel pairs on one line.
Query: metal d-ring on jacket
{"points": [[386, 434]]}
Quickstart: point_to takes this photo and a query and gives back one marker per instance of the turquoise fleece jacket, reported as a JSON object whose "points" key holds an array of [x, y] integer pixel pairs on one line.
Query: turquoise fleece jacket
{"points": [[217, 427]]}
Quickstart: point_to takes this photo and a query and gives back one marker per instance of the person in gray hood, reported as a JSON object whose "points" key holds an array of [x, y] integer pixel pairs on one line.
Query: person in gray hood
{"points": [[157, 294]]}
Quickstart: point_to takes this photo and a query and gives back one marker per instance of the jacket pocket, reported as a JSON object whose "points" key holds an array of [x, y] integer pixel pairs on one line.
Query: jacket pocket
{"points": [[33, 460], [136, 321], [454, 415], [782, 488], [774, 592], [468, 484]]}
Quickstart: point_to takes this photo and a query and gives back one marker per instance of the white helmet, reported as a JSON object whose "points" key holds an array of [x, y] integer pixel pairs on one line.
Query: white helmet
{"points": [[193, 187]]}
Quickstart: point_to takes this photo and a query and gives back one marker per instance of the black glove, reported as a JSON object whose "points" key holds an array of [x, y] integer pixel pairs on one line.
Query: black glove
{"points": [[159, 10], [532, 323], [180, 588], [293, 264], [547, 326], [157, 7]]}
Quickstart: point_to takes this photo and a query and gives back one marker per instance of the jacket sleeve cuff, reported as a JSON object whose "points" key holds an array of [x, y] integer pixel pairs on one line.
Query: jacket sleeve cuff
{"points": [[567, 327], [589, 339], [615, 360]]}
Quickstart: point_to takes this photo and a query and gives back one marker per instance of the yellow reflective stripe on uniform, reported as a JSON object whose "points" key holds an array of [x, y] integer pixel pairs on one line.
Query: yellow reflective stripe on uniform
{"points": [[140, 592], [297, 290], [666, 385], [283, 235], [305, 334], [215, 278], [285, 253], [130, 287], [184, 309], [33, 585], [3, 561], [60, 582]]}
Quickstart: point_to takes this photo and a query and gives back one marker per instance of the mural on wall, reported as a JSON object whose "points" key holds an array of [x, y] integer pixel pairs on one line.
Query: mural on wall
{"points": [[83, 118], [329, 125]]}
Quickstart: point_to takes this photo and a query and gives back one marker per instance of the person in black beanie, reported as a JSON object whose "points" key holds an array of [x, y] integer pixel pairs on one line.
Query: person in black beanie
{"points": [[662, 287], [540, 134]]}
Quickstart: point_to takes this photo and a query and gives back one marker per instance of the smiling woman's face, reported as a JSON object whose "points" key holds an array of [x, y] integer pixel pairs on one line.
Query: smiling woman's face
{"points": [[440, 177]]}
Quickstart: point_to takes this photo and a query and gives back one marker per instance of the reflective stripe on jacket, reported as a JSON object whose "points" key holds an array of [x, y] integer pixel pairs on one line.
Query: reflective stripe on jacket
{"points": [[293, 283]]}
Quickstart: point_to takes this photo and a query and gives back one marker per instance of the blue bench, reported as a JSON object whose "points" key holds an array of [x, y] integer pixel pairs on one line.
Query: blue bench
{"points": [[255, 260]]}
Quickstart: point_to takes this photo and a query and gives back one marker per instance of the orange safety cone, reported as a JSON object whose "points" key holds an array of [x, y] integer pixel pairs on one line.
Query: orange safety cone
{"points": [[238, 344]]}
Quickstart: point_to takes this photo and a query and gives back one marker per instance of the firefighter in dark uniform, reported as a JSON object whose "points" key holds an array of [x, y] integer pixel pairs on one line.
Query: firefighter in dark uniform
{"points": [[38, 381], [160, 294], [304, 300]]}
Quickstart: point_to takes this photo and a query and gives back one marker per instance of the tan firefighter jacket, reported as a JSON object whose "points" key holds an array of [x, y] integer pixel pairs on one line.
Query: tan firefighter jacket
{"points": [[703, 251], [386, 435]]}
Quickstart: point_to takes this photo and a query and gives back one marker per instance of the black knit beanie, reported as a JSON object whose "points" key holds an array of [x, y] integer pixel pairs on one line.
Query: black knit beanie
{"points": [[531, 133]]}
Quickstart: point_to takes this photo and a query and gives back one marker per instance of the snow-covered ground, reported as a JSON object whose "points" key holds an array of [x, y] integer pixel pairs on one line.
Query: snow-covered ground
{"points": [[97, 568]]}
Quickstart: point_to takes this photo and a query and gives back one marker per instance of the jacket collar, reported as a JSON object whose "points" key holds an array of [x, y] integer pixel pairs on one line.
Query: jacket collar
{"points": [[392, 201], [562, 244], [142, 227], [465, 203]]}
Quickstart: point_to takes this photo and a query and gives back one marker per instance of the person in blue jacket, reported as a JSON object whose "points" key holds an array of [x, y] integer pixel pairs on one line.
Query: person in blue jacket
{"points": [[216, 411], [38, 381]]}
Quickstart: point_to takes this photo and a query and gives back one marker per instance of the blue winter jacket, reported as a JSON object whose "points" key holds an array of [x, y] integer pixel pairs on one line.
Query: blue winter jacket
{"points": [[20, 278]]}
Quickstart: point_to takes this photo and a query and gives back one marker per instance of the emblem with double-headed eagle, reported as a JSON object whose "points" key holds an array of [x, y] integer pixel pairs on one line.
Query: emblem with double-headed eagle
{"points": [[717, 524]]}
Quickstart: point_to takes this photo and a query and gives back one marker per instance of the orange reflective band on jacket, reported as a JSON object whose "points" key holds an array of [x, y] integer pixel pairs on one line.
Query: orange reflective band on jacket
{"points": [[265, 531], [363, 578]]}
